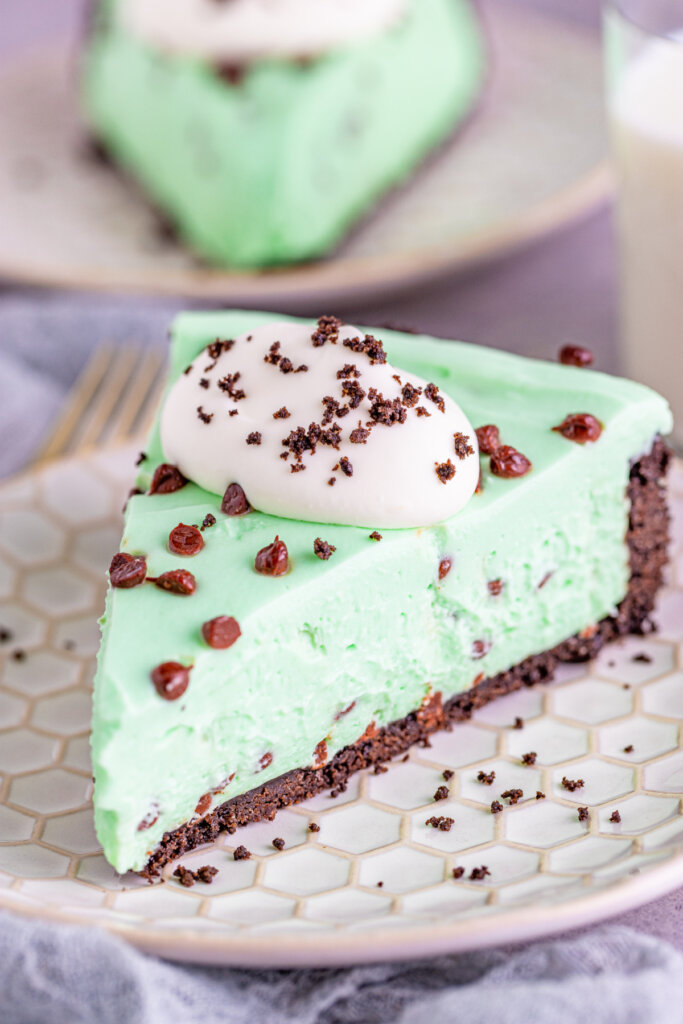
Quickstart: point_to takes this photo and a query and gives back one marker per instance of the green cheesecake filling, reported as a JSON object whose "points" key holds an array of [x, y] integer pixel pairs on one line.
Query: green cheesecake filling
{"points": [[278, 164], [364, 637]]}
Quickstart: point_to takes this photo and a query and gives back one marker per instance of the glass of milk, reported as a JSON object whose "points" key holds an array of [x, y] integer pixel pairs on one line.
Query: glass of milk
{"points": [[644, 55]]}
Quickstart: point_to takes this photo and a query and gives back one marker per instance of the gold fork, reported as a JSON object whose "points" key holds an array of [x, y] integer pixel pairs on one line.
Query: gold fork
{"points": [[112, 400]]}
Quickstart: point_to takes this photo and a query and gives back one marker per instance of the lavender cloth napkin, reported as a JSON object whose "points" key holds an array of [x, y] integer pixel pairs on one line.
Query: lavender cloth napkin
{"points": [[68, 975], [61, 975]]}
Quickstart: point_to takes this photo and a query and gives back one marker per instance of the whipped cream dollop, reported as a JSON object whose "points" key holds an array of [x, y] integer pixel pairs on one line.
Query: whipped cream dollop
{"points": [[238, 31], [314, 423]]}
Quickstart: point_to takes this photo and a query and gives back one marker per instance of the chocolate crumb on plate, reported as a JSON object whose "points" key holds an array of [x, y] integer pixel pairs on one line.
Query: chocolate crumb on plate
{"points": [[241, 853], [477, 874], [441, 793], [447, 774], [441, 823], [572, 784], [184, 876], [496, 807], [279, 843], [19, 654], [380, 885], [486, 777], [513, 796], [313, 827], [518, 723], [5, 635], [628, 749], [529, 758], [642, 657], [282, 413], [615, 817], [458, 872], [255, 437], [540, 795], [583, 814]]}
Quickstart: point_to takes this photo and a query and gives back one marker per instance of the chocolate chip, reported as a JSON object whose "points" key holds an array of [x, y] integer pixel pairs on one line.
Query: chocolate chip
{"points": [[322, 549], [221, 632], [279, 844], [166, 479], [580, 427], [185, 540], [234, 501], [170, 679], [273, 560], [575, 355], [507, 462], [480, 648], [127, 571], [445, 566], [488, 438], [177, 581]]}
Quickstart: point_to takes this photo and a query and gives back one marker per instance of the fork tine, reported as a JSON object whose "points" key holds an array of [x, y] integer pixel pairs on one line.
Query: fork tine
{"points": [[66, 428], [136, 397], [112, 389]]}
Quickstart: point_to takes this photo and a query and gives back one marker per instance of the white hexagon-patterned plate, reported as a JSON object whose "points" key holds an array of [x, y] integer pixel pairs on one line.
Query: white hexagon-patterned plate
{"points": [[375, 881]]}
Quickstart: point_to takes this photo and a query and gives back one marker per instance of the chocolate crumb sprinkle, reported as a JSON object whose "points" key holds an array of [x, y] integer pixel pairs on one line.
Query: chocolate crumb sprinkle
{"points": [[346, 466], [462, 445], [441, 823], [445, 471], [204, 382], [359, 435], [322, 549], [432, 393], [513, 796], [282, 413]]}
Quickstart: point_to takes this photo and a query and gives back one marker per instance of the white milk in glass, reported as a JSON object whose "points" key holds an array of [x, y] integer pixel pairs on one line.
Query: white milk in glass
{"points": [[646, 113]]}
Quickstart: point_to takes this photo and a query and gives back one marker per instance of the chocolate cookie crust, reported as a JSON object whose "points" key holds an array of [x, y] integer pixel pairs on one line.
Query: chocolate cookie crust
{"points": [[647, 538]]}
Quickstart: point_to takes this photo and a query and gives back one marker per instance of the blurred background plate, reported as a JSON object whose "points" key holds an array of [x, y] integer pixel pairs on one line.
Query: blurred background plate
{"points": [[531, 159]]}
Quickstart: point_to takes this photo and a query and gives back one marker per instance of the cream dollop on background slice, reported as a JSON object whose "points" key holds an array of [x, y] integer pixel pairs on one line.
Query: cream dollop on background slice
{"points": [[238, 31], [393, 480]]}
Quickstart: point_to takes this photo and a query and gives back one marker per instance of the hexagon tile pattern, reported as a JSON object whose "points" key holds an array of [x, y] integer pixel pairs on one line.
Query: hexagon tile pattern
{"points": [[603, 738]]}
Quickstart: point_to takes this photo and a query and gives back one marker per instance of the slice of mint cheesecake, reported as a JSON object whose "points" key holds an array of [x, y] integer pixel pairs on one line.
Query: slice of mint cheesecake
{"points": [[264, 132], [342, 541]]}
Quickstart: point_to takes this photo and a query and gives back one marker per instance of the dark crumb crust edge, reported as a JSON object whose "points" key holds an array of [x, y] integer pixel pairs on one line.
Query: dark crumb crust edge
{"points": [[647, 538]]}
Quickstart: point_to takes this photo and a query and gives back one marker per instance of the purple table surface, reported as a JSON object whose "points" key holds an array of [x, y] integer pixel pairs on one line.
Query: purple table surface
{"points": [[562, 289]]}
